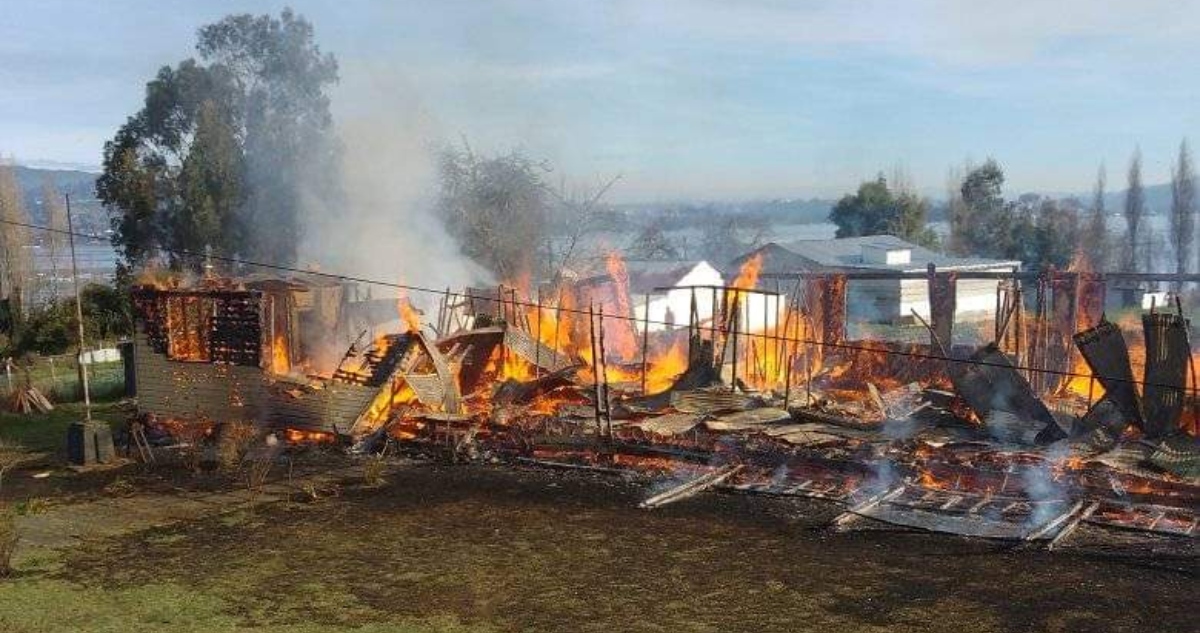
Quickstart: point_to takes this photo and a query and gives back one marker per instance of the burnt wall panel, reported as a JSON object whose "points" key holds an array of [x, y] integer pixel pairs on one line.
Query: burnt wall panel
{"points": [[195, 390], [337, 405]]}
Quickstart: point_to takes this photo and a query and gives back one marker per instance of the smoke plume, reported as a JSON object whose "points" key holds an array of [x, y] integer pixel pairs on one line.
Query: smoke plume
{"points": [[386, 227]]}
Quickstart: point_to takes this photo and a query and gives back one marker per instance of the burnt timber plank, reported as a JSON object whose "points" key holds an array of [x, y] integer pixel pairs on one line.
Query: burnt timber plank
{"points": [[1104, 349], [1002, 398], [1167, 352]]}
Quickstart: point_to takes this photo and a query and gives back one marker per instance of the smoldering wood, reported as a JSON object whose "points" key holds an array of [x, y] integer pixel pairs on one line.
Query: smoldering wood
{"points": [[814, 309], [442, 386], [1002, 398], [469, 351], [770, 438], [833, 309], [1104, 349], [378, 361], [712, 400], [971, 514], [1091, 293], [1145, 517], [1106, 417], [595, 371], [516, 392], [691, 487], [1167, 356], [605, 402]]}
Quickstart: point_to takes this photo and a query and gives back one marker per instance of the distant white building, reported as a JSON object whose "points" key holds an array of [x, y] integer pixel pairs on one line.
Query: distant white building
{"points": [[884, 300], [670, 308]]}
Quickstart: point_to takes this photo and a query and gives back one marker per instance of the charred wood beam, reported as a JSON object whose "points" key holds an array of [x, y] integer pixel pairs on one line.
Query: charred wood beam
{"points": [[585, 443], [1167, 356], [691, 488], [825, 300], [1002, 398], [1103, 348]]}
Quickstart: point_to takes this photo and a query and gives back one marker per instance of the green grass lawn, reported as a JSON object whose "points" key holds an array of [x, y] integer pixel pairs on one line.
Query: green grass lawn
{"points": [[47, 432], [60, 382]]}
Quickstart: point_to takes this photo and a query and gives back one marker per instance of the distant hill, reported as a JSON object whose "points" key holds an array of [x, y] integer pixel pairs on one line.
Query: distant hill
{"points": [[684, 214], [1158, 199], [81, 185]]}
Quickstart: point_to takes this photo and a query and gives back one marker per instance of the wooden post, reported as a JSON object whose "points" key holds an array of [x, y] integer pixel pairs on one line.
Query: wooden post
{"points": [[645, 340], [604, 372], [537, 348], [595, 370], [557, 319], [761, 349], [53, 375], [734, 316], [787, 382], [1019, 334], [517, 315], [444, 315], [712, 319], [808, 362], [996, 325], [693, 326]]}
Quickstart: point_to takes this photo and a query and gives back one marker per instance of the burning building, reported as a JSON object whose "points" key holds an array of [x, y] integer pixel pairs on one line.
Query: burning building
{"points": [[252, 350], [1063, 419]]}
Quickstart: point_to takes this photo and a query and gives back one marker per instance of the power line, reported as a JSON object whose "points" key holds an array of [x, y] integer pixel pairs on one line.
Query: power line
{"points": [[777, 338]]}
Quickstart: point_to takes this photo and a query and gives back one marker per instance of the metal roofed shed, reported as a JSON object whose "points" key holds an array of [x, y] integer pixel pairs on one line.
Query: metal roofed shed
{"points": [[886, 300]]}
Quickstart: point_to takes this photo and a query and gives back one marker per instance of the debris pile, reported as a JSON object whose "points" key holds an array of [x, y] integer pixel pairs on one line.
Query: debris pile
{"points": [[766, 395]]}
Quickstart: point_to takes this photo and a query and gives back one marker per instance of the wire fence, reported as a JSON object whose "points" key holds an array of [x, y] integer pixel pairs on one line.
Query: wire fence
{"points": [[57, 377], [715, 328]]}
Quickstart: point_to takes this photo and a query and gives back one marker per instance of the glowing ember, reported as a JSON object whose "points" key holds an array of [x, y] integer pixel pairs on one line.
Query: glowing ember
{"points": [[299, 436]]}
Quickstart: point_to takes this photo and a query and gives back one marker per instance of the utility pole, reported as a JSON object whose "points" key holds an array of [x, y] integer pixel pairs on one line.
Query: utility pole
{"points": [[88, 442], [83, 374]]}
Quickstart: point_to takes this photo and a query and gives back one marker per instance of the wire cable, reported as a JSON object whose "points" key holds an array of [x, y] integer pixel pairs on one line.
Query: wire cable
{"points": [[765, 337]]}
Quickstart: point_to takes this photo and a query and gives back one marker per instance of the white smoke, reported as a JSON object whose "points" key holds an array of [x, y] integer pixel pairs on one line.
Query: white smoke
{"points": [[388, 228]]}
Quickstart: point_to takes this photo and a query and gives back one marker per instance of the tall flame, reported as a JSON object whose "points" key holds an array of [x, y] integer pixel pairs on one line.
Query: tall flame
{"points": [[665, 366], [408, 314], [747, 278], [280, 361], [622, 335]]}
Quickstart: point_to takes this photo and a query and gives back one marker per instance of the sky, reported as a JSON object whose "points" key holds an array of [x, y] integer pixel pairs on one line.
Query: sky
{"points": [[683, 100]]}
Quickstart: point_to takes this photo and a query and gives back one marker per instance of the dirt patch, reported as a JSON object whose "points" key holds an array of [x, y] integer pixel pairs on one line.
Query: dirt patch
{"points": [[530, 550]]}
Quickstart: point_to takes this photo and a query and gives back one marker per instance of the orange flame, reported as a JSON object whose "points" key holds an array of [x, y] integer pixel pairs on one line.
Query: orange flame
{"points": [[622, 336], [408, 314], [280, 359], [504, 365], [747, 278], [665, 366], [300, 436]]}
